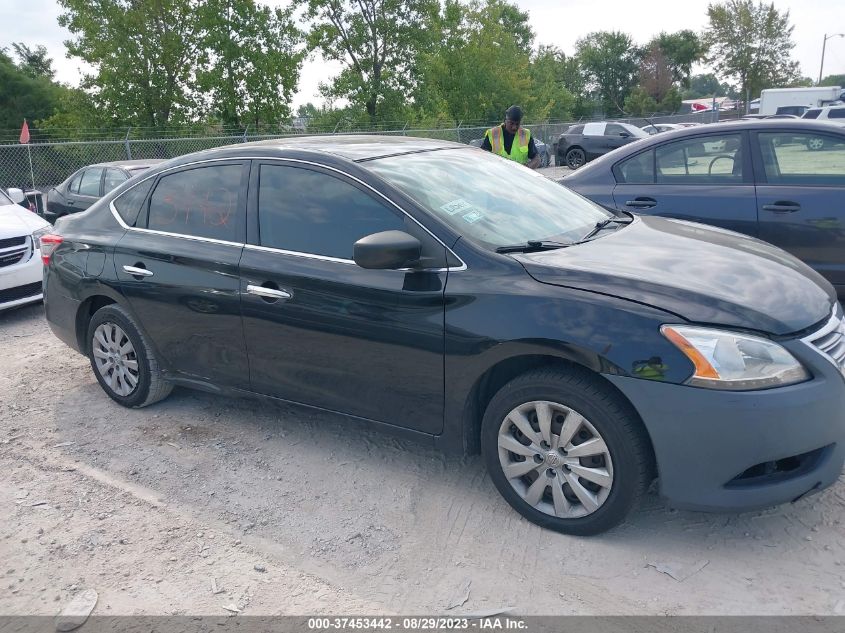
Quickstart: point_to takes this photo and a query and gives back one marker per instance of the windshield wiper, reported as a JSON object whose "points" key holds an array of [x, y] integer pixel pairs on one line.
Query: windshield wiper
{"points": [[604, 224], [532, 245]]}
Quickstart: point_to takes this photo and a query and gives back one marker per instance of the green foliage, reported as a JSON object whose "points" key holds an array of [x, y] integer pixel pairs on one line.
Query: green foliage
{"points": [[377, 41], [681, 50], [640, 103], [834, 80], [751, 43], [23, 96], [551, 99], [249, 62], [708, 85], [610, 62], [34, 62]]}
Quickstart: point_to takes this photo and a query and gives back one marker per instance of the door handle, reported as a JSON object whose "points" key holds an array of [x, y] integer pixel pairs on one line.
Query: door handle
{"points": [[137, 272], [641, 203], [268, 293], [782, 206]]}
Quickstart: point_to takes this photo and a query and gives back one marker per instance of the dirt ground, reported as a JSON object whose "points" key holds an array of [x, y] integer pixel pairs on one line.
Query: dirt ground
{"points": [[203, 502]]}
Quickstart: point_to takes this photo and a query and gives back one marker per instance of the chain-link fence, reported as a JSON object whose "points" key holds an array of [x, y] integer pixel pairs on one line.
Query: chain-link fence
{"points": [[44, 164]]}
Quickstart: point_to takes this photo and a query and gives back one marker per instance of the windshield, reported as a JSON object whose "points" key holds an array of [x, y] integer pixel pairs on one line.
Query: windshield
{"points": [[489, 199]]}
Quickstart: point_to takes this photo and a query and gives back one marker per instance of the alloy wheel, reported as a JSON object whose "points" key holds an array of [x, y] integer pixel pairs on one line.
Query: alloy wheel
{"points": [[555, 460], [575, 158]]}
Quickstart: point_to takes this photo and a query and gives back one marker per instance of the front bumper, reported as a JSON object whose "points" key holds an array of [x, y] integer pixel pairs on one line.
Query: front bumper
{"points": [[21, 283], [713, 448]]}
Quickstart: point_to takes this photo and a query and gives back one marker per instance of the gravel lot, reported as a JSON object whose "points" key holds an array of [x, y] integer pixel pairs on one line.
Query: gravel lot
{"points": [[282, 510]]}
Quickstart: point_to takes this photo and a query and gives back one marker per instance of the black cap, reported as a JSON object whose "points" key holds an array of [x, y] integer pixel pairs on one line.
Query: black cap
{"points": [[514, 113]]}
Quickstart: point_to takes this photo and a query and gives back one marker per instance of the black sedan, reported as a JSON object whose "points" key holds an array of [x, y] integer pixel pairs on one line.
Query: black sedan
{"points": [[587, 141], [780, 180], [87, 185], [385, 279]]}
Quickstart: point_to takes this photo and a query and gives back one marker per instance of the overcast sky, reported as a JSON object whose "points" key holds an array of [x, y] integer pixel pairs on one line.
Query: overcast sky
{"points": [[557, 22]]}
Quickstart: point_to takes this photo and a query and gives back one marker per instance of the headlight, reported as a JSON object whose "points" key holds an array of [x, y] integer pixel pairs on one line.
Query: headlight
{"points": [[738, 362], [36, 237]]}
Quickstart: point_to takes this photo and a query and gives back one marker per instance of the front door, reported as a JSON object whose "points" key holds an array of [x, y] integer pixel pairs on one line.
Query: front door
{"points": [[319, 329], [704, 179], [88, 192], [800, 195], [178, 267]]}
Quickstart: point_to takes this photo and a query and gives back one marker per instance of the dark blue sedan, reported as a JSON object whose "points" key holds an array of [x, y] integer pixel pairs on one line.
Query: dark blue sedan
{"points": [[782, 181]]}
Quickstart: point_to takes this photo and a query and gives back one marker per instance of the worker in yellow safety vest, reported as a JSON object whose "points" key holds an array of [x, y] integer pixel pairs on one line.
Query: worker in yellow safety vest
{"points": [[512, 141]]}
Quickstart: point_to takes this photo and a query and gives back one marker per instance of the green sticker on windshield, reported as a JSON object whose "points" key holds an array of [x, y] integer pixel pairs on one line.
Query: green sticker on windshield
{"points": [[473, 217], [456, 206]]}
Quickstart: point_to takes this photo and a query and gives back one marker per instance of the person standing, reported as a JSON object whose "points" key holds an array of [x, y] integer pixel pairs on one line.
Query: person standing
{"points": [[512, 141]]}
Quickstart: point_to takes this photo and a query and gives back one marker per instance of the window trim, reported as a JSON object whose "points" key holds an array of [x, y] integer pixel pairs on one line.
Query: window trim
{"points": [[244, 244]]}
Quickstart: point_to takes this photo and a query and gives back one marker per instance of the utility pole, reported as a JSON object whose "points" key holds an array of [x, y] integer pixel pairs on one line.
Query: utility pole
{"points": [[824, 45]]}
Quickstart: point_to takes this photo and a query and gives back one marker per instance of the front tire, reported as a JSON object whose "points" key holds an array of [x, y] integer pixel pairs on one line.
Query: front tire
{"points": [[123, 361], [575, 158], [566, 451]]}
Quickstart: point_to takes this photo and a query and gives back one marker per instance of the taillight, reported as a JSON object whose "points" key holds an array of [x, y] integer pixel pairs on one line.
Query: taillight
{"points": [[48, 244]]}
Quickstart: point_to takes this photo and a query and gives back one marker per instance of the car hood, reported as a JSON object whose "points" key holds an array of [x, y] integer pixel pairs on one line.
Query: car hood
{"points": [[701, 273], [16, 221]]}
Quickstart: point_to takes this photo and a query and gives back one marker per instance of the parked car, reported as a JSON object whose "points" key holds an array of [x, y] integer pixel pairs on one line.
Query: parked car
{"points": [[828, 112], [657, 128], [586, 141], [795, 110], [20, 255], [31, 199], [581, 351], [771, 180], [87, 185], [542, 149]]}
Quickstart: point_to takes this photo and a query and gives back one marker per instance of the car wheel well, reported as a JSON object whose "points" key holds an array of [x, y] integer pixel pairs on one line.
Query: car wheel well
{"points": [[489, 383], [86, 310]]}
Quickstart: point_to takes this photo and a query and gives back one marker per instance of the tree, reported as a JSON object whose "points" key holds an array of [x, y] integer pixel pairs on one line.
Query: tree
{"points": [[23, 96], [34, 62], [610, 62], [144, 54], [249, 64], [708, 85], [551, 98], [377, 41], [681, 51], [751, 43], [655, 73], [834, 80]]}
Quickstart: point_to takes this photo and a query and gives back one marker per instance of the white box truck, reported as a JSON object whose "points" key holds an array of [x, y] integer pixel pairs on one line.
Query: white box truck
{"points": [[796, 100]]}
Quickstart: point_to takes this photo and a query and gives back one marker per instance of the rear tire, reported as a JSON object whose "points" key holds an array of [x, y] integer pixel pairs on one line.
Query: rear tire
{"points": [[575, 158], [599, 483], [122, 359]]}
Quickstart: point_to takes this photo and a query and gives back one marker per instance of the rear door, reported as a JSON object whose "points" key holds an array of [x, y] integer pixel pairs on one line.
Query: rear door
{"points": [[706, 178], [113, 178], [89, 190], [800, 194], [324, 332], [178, 267]]}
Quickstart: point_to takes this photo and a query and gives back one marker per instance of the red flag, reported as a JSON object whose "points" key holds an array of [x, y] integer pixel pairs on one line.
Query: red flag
{"points": [[24, 133]]}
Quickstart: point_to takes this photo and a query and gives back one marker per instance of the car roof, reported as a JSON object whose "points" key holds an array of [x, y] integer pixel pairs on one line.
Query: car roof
{"points": [[356, 147], [130, 164]]}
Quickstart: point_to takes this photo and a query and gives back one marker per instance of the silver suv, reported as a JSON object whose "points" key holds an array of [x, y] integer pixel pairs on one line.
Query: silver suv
{"points": [[825, 113]]}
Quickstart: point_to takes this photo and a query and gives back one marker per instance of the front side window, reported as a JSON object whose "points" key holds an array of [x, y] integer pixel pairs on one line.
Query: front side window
{"points": [[90, 183], [114, 177], [201, 202], [307, 211], [712, 159], [492, 201], [791, 158], [812, 114], [614, 129], [73, 187]]}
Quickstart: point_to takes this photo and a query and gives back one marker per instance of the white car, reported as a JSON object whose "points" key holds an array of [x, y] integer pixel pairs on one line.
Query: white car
{"points": [[20, 255], [826, 113], [661, 127]]}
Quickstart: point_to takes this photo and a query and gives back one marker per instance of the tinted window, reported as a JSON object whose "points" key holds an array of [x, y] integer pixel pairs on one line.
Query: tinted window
{"points": [[202, 202], [575, 129], [836, 113], [811, 114], [114, 177], [73, 187], [713, 159], [803, 159], [310, 212], [638, 169], [129, 204], [613, 129], [90, 184]]}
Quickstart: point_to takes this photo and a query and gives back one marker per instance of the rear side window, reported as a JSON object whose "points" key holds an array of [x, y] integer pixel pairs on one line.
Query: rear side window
{"points": [[575, 129], [90, 183], [311, 212], [130, 203], [73, 187], [201, 202], [637, 170], [114, 177], [791, 158], [812, 114], [836, 113]]}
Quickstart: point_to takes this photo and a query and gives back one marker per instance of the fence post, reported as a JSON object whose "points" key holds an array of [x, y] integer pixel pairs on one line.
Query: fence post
{"points": [[334, 131], [126, 144], [405, 127], [458, 132], [246, 129]]}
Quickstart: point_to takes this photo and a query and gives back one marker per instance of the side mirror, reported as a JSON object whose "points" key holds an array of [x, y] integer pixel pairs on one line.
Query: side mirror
{"points": [[16, 195], [387, 250], [624, 134]]}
